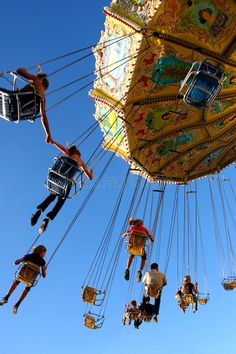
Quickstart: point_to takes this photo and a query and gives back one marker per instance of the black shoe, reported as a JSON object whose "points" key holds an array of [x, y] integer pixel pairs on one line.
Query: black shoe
{"points": [[126, 274], [4, 300], [139, 276], [44, 225], [35, 217]]}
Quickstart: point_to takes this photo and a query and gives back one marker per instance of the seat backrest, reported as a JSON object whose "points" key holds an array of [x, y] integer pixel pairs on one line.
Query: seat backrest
{"points": [[29, 105], [8, 106], [202, 300], [133, 314], [28, 273], [228, 286], [153, 290], [89, 321], [65, 166], [60, 177], [136, 243], [89, 295], [188, 298]]}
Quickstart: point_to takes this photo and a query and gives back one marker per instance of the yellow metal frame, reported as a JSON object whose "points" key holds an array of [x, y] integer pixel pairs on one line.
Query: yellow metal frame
{"points": [[136, 243], [28, 273]]}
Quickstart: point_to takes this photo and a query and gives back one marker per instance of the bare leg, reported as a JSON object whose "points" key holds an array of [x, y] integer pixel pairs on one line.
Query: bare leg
{"points": [[130, 260], [12, 288], [143, 262]]}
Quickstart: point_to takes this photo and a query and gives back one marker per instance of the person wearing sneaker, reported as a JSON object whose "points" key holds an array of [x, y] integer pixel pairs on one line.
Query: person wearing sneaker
{"points": [[37, 258], [157, 279], [137, 226], [74, 153]]}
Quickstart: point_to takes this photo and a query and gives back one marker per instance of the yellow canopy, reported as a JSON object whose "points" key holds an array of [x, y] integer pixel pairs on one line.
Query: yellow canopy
{"points": [[143, 55]]}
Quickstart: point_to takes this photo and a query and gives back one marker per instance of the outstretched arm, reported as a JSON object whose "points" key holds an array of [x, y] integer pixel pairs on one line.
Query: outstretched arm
{"points": [[59, 147], [23, 72], [18, 261], [44, 119], [124, 235], [88, 173]]}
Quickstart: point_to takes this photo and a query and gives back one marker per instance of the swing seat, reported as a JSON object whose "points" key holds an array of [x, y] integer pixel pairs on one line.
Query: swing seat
{"points": [[136, 243], [229, 283], [203, 82], [17, 104], [202, 298], [228, 286], [90, 296], [153, 291], [132, 315], [28, 273], [93, 321], [61, 176], [188, 298]]}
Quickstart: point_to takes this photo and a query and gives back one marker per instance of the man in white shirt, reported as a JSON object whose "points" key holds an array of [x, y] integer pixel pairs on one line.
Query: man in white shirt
{"points": [[158, 280]]}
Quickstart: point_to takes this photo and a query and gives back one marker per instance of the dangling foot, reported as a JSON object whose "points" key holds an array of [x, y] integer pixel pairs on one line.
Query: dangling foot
{"points": [[155, 318], [126, 276], [183, 308], [139, 276], [35, 217], [4, 300], [44, 225], [15, 308]]}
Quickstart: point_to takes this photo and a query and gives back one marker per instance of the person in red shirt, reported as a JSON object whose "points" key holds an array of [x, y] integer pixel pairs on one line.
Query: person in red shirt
{"points": [[137, 226]]}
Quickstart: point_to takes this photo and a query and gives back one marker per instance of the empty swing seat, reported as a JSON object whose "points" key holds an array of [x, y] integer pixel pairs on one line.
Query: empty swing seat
{"points": [[229, 283], [28, 273], [90, 296], [203, 81], [93, 321], [202, 300], [16, 106], [136, 243], [60, 176]]}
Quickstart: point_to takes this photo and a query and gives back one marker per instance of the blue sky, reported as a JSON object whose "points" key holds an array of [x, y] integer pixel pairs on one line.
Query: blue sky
{"points": [[50, 321]]}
